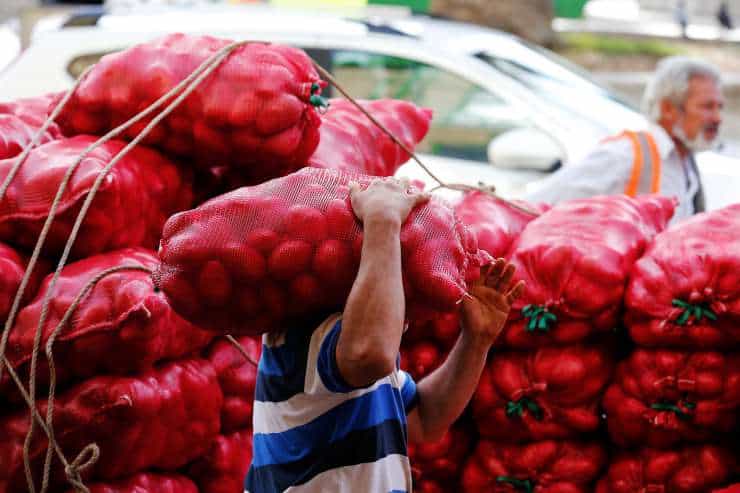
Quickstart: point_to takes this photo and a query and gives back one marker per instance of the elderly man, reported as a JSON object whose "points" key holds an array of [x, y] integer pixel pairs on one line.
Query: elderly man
{"points": [[684, 103]]}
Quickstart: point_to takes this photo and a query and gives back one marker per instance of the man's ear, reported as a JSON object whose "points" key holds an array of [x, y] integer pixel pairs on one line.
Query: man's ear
{"points": [[669, 112]]}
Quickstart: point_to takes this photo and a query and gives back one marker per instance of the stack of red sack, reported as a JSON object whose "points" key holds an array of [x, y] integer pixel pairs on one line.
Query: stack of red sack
{"points": [[537, 405], [169, 405], [20, 120], [674, 403], [425, 345]]}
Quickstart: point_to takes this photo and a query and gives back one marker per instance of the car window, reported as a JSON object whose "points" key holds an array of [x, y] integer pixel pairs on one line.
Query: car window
{"points": [[466, 116]]}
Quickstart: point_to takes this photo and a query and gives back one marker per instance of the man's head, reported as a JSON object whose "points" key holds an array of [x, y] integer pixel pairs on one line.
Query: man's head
{"points": [[685, 98]]}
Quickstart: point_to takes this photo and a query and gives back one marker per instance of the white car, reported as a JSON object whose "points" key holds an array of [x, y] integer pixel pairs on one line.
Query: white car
{"points": [[506, 113]]}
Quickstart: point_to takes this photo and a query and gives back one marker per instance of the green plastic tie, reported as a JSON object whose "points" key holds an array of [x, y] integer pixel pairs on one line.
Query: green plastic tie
{"points": [[698, 311], [667, 406], [539, 318], [316, 99], [516, 409], [525, 485]]}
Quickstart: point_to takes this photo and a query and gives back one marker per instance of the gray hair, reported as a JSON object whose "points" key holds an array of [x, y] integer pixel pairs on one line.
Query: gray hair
{"points": [[671, 81]]}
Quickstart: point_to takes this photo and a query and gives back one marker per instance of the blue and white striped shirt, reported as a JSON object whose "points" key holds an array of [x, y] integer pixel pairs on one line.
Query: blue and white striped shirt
{"points": [[315, 433]]}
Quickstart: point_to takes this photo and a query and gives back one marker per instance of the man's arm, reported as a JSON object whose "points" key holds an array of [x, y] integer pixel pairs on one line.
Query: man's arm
{"points": [[604, 171], [444, 394], [373, 318]]}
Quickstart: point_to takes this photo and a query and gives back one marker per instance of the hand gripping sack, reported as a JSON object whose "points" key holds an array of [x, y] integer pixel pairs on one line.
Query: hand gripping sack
{"points": [[549, 393], [123, 326], [160, 419], [20, 120], [12, 268], [685, 291], [350, 141], [254, 112], [440, 462], [238, 378], [247, 261], [223, 468], [495, 223], [689, 469], [575, 259], [145, 482], [131, 206], [662, 397], [537, 467]]}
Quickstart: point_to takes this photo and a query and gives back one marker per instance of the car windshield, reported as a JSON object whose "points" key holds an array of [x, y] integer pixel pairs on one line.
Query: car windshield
{"points": [[556, 81]]}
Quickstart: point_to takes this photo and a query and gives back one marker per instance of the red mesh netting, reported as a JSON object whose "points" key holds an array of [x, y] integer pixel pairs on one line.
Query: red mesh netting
{"points": [[19, 122], [223, 468], [12, 268], [146, 482], [537, 467], [249, 260], [543, 394], [662, 397], [161, 419], [350, 141], [691, 469], [131, 206], [685, 291], [495, 223], [122, 326], [575, 259], [237, 378], [253, 112]]}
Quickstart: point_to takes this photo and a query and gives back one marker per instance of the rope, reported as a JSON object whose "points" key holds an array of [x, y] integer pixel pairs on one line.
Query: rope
{"points": [[241, 349], [50, 357], [203, 71], [440, 184], [72, 469], [189, 83], [37, 136]]}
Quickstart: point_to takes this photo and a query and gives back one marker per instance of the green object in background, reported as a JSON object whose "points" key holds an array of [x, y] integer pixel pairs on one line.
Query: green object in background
{"points": [[569, 8], [414, 5]]}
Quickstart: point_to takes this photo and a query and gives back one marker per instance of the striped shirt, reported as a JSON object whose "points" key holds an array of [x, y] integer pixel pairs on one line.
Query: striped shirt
{"points": [[315, 433]]}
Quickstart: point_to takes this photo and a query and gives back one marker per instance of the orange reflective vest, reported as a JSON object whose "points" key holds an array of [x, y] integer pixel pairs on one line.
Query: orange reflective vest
{"points": [[645, 176]]}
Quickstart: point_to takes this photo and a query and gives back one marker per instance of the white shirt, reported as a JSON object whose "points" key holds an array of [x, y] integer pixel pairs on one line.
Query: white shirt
{"points": [[607, 169]]}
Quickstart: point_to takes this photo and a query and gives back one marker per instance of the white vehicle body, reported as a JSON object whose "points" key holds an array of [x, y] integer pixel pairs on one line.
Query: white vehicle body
{"points": [[521, 89]]}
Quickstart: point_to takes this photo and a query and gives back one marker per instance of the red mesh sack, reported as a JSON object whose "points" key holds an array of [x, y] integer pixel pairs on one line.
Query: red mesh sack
{"points": [[735, 488], [161, 419], [350, 141], [223, 468], [692, 469], [237, 378], [12, 269], [254, 111], [548, 393], [575, 259], [34, 111], [249, 260], [421, 358], [131, 206], [495, 223], [662, 397], [440, 463], [539, 467], [19, 122], [685, 291], [145, 482], [123, 325]]}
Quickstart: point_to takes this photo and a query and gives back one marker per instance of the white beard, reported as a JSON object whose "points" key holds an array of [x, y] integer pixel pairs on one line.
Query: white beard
{"points": [[697, 144]]}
